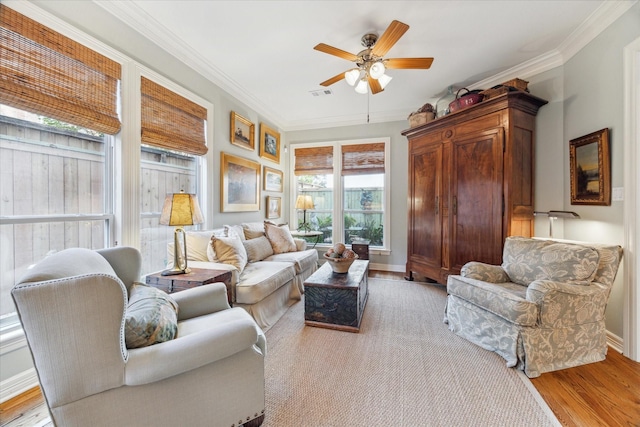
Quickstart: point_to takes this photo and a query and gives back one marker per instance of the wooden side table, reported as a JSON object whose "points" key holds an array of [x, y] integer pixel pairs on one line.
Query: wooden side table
{"points": [[197, 277]]}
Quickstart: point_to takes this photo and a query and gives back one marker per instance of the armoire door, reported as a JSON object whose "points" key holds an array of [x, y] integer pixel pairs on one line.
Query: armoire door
{"points": [[477, 198], [425, 221]]}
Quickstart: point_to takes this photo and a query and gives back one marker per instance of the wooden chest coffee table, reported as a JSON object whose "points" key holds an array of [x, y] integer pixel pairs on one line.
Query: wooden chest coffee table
{"points": [[336, 301]]}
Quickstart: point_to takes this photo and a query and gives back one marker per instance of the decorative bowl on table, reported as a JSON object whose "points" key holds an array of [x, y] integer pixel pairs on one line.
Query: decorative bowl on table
{"points": [[340, 258]]}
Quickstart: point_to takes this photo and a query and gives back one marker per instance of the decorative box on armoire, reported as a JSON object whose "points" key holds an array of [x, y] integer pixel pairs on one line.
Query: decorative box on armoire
{"points": [[471, 184]]}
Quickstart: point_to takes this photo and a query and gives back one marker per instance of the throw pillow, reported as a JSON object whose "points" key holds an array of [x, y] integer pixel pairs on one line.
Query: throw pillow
{"points": [[234, 230], [211, 253], [230, 250], [253, 230], [258, 248], [151, 317], [280, 237]]}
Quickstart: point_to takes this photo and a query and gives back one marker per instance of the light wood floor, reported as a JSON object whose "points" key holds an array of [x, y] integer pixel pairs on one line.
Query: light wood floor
{"points": [[606, 393]]}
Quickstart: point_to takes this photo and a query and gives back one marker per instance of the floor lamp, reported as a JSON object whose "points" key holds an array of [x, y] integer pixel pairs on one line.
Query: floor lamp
{"points": [[553, 215], [304, 203], [179, 210]]}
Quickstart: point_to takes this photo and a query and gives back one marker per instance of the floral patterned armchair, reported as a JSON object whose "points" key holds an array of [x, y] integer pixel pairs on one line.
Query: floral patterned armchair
{"points": [[543, 309]]}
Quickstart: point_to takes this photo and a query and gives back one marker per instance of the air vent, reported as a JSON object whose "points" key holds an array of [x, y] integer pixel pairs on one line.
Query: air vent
{"points": [[321, 92]]}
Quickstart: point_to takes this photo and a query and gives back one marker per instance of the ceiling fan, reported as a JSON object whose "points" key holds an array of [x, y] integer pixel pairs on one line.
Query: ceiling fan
{"points": [[371, 65]]}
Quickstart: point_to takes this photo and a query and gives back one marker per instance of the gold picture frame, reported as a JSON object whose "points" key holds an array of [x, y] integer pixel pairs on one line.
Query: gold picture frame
{"points": [[272, 179], [590, 169], [243, 132], [269, 143], [274, 207], [239, 184]]}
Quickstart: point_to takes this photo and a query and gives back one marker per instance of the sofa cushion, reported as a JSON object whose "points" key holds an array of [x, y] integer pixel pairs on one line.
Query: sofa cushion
{"points": [[230, 250], [280, 237], [253, 230], [234, 230], [302, 260], [151, 317], [526, 260], [260, 279], [258, 248], [507, 300]]}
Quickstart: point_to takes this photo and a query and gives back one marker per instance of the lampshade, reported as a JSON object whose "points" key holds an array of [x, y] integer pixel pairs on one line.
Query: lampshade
{"points": [[384, 80], [377, 70], [304, 202], [181, 209], [351, 76], [362, 86]]}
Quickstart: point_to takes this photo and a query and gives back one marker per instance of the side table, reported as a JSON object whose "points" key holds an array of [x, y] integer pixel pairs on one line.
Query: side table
{"points": [[303, 234], [197, 277]]}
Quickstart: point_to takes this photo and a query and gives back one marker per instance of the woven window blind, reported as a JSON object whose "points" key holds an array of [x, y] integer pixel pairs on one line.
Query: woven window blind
{"points": [[171, 121], [314, 161], [363, 158], [46, 73]]}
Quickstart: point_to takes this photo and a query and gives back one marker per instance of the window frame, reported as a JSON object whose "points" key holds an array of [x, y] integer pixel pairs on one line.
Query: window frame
{"points": [[338, 186]]}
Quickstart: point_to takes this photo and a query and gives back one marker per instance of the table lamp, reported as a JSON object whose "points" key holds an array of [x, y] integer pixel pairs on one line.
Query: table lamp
{"points": [[553, 215], [304, 203], [180, 209]]}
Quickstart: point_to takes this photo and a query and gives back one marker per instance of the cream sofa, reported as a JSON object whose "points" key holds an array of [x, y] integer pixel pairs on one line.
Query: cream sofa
{"points": [[76, 308], [267, 285], [543, 309]]}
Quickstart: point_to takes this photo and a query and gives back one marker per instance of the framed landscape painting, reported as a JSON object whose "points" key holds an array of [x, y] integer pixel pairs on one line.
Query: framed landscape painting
{"points": [[274, 207], [272, 179], [590, 169], [269, 143], [242, 132], [239, 184]]}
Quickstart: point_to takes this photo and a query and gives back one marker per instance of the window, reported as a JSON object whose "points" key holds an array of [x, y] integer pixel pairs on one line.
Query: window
{"points": [[359, 171]]}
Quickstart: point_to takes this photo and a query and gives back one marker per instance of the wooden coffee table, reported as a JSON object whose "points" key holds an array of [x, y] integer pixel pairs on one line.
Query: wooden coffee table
{"points": [[336, 301]]}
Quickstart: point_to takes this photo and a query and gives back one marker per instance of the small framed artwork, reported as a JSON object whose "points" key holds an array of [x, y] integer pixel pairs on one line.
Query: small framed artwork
{"points": [[590, 169], [242, 132], [274, 207], [269, 143], [239, 184], [272, 179]]}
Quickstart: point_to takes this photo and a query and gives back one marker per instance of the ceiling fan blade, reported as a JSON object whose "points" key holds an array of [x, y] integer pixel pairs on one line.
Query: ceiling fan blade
{"points": [[375, 86], [335, 51], [390, 36], [415, 63], [333, 80]]}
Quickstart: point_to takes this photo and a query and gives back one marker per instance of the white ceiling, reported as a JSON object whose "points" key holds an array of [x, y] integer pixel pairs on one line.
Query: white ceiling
{"points": [[261, 52]]}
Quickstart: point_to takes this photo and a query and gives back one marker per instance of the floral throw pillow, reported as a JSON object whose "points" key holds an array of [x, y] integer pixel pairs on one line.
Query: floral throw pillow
{"points": [[280, 238], [151, 317]]}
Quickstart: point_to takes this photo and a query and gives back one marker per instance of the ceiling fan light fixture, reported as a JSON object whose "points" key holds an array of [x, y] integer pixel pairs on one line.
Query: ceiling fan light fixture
{"points": [[377, 70], [351, 76], [384, 80], [362, 86]]}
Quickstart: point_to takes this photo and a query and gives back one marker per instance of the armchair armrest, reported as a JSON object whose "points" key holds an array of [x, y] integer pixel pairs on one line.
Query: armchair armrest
{"points": [[568, 303], [201, 300], [301, 244], [485, 272], [160, 361]]}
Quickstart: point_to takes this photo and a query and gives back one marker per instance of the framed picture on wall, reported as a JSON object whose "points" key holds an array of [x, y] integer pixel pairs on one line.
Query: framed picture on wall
{"points": [[272, 179], [242, 132], [269, 143], [590, 169], [239, 184], [274, 207]]}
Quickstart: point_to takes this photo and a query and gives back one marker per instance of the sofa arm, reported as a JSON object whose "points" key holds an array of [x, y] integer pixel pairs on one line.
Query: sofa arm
{"points": [[160, 361], [301, 244], [564, 304], [201, 300], [485, 272]]}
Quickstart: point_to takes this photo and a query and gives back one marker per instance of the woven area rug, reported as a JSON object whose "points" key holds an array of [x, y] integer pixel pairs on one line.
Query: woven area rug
{"points": [[404, 368]]}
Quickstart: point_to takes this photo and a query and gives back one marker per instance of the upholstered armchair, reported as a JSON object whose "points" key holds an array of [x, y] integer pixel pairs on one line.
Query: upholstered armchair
{"points": [[543, 309], [207, 369]]}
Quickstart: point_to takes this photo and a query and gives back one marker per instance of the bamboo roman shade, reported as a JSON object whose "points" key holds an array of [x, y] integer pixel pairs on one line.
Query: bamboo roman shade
{"points": [[171, 121], [46, 73], [314, 161], [363, 158]]}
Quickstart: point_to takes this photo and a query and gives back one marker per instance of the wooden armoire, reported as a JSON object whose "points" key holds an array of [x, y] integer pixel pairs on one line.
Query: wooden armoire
{"points": [[471, 184]]}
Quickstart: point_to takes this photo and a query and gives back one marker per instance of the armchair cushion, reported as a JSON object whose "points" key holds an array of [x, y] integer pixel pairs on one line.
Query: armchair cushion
{"points": [[528, 260], [151, 317]]}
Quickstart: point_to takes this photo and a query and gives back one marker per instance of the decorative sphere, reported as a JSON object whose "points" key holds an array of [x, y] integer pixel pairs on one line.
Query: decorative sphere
{"points": [[348, 253], [339, 248]]}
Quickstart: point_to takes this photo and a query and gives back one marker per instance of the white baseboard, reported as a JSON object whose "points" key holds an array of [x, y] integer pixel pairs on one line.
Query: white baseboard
{"points": [[18, 384], [615, 342]]}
